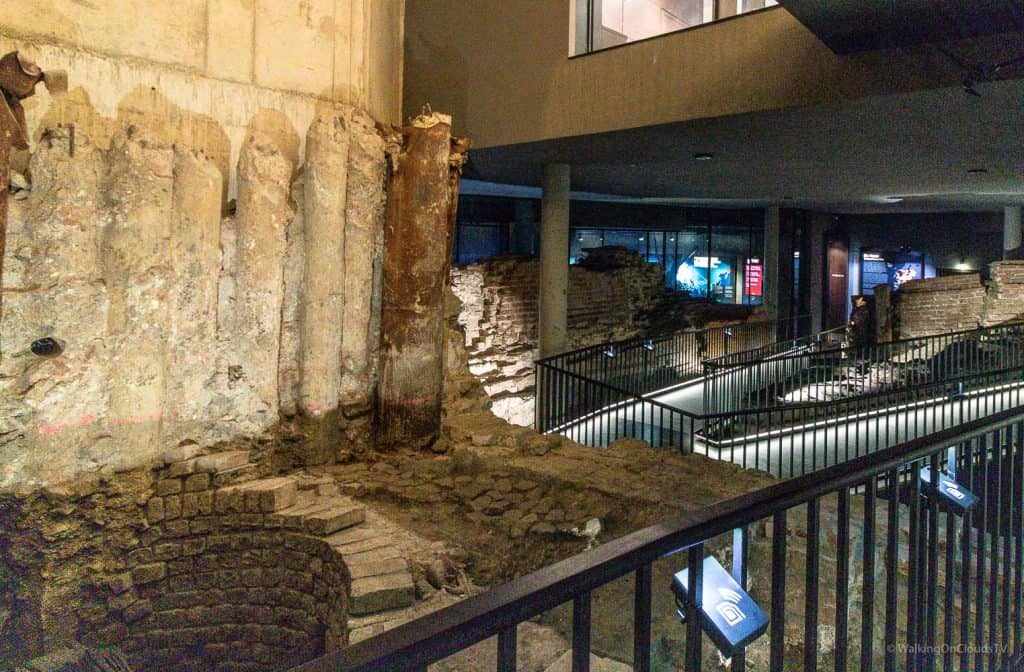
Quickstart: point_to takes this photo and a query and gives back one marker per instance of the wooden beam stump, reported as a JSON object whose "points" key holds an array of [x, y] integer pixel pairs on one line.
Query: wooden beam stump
{"points": [[417, 254]]}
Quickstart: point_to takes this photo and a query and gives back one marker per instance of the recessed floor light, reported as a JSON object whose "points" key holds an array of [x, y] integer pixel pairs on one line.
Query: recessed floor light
{"points": [[703, 156]]}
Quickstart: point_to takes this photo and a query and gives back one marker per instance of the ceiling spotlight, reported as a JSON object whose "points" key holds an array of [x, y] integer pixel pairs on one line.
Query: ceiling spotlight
{"points": [[641, 239], [703, 156], [977, 171]]}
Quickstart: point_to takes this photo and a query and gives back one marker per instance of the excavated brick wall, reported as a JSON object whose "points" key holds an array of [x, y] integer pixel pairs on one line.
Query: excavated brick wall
{"points": [[499, 316], [195, 563], [954, 303], [1004, 300], [940, 305]]}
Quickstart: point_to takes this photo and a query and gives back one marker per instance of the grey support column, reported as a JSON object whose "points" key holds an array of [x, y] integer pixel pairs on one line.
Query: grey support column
{"points": [[554, 260], [1012, 232], [816, 268], [771, 262]]}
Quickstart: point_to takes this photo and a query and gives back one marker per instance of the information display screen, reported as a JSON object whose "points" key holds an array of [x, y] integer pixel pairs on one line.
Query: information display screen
{"points": [[701, 273], [753, 277], [905, 268], [874, 271]]}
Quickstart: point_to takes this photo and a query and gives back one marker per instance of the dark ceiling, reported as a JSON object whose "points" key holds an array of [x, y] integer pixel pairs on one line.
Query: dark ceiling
{"points": [[924, 148], [862, 25]]}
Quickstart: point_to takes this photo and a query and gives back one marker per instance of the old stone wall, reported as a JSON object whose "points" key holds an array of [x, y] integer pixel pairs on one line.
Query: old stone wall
{"points": [[499, 316], [210, 72], [186, 565], [940, 305], [1004, 300], [171, 322], [954, 303]]}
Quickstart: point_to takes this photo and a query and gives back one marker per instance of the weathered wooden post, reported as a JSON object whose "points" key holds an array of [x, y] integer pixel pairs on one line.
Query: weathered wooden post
{"points": [[422, 197]]}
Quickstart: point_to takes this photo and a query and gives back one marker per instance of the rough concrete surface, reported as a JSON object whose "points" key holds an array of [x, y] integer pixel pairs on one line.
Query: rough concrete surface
{"points": [[170, 322]]}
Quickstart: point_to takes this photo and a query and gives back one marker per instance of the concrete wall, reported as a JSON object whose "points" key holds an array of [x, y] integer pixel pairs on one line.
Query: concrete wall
{"points": [[501, 67], [179, 325], [211, 70]]}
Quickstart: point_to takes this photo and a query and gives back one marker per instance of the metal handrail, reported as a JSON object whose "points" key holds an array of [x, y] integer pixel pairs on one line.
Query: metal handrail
{"points": [[759, 384], [919, 340], [414, 645], [753, 355], [640, 341]]}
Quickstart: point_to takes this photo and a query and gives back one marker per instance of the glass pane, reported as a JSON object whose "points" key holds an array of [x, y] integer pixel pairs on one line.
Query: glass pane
{"points": [[601, 24], [581, 240], [736, 253], [631, 240], [689, 249]]}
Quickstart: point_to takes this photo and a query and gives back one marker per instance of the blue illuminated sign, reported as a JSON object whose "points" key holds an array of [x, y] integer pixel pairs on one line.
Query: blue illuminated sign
{"points": [[729, 615], [953, 495]]}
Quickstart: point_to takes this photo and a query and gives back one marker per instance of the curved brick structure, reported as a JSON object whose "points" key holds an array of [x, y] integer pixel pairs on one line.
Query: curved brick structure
{"points": [[206, 566]]}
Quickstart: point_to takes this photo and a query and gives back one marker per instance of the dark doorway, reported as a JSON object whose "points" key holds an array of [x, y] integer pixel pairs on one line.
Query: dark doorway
{"points": [[837, 291]]}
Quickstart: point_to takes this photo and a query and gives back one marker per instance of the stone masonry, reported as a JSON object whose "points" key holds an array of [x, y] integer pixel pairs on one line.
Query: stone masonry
{"points": [[961, 302], [200, 563], [499, 316]]}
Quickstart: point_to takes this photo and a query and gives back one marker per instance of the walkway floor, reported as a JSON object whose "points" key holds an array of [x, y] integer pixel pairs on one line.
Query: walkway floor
{"points": [[792, 451]]}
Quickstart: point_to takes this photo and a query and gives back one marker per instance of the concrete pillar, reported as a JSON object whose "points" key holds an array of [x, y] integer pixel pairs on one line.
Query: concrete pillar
{"points": [[1011, 231], [554, 260], [816, 268], [771, 262]]}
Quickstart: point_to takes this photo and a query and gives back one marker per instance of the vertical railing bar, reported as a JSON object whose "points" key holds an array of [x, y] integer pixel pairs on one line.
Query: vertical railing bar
{"points": [[996, 483], [813, 548], [778, 615], [984, 443], [868, 603], [695, 591], [642, 620], [892, 570], [933, 563], [1018, 503], [914, 573], [1006, 501], [581, 633], [966, 450], [507, 650]]}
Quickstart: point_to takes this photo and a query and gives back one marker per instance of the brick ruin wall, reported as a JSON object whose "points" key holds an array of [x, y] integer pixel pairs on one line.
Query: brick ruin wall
{"points": [[499, 317], [961, 302], [178, 566]]}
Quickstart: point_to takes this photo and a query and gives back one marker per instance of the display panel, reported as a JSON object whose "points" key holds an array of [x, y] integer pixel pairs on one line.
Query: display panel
{"points": [[905, 268], [874, 271], [753, 278]]}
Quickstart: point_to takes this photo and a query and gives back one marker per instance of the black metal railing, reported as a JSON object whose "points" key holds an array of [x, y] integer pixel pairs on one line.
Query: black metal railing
{"points": [[643, 365], [915, 584], [822, 340], [825, 375], [783, 441]]}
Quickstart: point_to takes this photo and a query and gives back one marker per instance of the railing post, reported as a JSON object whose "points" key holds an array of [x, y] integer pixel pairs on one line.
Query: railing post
{"points": [[581, 633], [507, 650], [642, 620]]}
